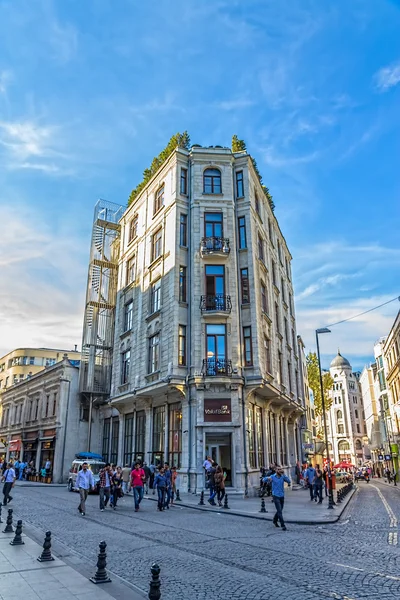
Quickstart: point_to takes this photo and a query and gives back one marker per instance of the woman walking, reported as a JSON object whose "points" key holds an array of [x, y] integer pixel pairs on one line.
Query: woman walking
{"points": [[116, 487], [219, 482], [160, 484]]}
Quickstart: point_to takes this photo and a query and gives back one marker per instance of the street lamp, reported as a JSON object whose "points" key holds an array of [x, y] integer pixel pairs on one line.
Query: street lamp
{"points": [[330, 489]]}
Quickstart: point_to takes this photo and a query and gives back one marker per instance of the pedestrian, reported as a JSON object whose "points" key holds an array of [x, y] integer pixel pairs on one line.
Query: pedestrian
{"points": [[168, 490], [152, 475], [318, 484], [211, 484], [9, 479], [22, 466], [378, 472], [4, 466], [207, 464], [174, 476], [147, 475], [219, 482], [116, 487], [160, 484], [16, 468], [137, 481], [278, 495], [309, 477], [126, 478], [84, 481], [47, 466], [106, 476]]}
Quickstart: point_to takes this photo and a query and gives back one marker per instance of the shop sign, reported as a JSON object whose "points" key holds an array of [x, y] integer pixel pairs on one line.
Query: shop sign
{"points": [[380, 456], [217, 410], [387, 457], [308, 446]]}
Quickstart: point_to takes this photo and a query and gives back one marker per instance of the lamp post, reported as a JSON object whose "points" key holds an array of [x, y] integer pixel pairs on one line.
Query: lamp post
{"points": [[330, 489]]}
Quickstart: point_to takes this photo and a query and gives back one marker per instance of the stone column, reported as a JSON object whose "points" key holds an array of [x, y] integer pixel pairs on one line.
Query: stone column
{"points": [[121, 439]]}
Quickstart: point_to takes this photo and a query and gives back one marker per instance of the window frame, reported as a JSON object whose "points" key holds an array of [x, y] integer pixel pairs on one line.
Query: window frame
{"points": [[183, 186], [242, 236], [268, 355], [183, 284], [244, 280], [156, 244], [183, 222], [247, 346], [260, 245], [131, 271], [159, 199], [182, 358], [153, 353], [239, 183], [128, 316], [125, 366], [155, 296], [133, 227], [213, 183], [264, 297]]}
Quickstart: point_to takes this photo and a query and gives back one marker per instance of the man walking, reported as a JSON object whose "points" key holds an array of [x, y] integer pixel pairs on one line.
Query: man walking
{"points": [[310, 476], [137, 480], [152, 476], [8, 478], [105, 475], [84, 482], [318, 484], [147, 474], [278, 495], [126, 477]]}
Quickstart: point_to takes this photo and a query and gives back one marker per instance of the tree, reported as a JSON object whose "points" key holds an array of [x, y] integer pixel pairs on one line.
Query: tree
{"points": [[314, 383], [238, 145]]}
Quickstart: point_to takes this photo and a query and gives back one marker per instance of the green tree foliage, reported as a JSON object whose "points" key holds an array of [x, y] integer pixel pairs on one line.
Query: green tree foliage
{"points": [[314, 383], [240, 146], [179, 140]]}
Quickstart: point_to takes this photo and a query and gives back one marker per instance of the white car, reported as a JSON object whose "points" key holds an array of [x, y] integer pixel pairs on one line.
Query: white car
{"points": [[94, 464]]}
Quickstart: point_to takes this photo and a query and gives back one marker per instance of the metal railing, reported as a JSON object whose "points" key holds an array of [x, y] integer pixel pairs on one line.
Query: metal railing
{"points": [[216, 302], [208, 245], [217, 366]]}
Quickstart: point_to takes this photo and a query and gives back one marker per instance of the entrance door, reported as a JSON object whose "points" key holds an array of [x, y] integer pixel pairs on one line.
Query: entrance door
{"points": [[219, 448]]}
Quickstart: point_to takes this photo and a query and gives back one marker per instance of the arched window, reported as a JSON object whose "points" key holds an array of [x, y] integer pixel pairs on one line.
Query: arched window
{"points": [[343, 445], [212, 181], [358, 445], [340, 428], [339, 414], [159, 199], [330, 447]]}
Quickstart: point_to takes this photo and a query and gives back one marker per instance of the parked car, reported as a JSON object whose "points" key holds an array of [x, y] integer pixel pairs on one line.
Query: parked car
{"points": [[343, 477], [95, 464]]}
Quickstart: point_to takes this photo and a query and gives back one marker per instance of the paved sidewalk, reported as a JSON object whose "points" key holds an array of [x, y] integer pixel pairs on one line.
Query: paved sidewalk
{"points": [[22, 576], [298, 506]]}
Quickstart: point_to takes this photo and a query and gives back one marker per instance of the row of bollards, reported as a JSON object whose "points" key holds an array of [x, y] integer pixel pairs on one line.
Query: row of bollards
{"points": [[18, 541], [202, 503], [263, 509], [342, 493]]}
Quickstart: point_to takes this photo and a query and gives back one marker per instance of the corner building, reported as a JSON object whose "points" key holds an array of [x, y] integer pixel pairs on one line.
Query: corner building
{"points": [[205, 354]]}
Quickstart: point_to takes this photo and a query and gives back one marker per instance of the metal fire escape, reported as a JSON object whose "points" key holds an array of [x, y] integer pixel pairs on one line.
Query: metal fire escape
{"points": [[98, 326]]}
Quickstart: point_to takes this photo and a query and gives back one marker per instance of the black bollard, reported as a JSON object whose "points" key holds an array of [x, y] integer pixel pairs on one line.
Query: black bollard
{"points": [[226, 501], [155, 583], [101, 575], [9, 528], [338, 497], [46, 554], [178, 498], [201, 503], [18, 541], [263, 510]]}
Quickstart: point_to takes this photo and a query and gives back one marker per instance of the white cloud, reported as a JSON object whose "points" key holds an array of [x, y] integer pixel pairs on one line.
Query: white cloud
{"points": [[24, 139], [322, 283], [5, 78], [236, 104], [387, 77]]}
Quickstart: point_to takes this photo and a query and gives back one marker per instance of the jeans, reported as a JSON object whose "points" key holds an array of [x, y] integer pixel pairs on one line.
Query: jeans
{"points": [[115, 495], [310, 485], [220, 495], [318, 492], [213, 493], [168, 496], [279, 501], [6, 491], [138, 492], [104, 492], [83, 494], [161, 498], [125, 485]]}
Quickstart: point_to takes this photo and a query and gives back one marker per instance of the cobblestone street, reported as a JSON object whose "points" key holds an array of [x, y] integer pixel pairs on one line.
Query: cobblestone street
{"points": [[205, 555]]}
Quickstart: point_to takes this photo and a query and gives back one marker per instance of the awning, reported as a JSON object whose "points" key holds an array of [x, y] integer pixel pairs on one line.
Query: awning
{"points": [[14, 446], [48, 439], [30, 440]]}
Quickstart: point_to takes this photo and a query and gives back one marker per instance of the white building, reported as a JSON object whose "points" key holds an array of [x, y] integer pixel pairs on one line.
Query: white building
{"points": [[205, 350], [346, 423]]}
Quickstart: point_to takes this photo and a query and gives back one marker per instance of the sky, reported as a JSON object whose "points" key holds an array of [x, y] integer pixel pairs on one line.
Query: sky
{"points": [[91, 91]]}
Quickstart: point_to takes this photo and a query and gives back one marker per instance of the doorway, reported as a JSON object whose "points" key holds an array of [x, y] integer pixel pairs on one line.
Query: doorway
{"points": [[219, 448]]}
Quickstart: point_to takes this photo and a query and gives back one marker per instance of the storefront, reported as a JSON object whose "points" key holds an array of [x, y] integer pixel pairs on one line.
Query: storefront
{"points": [[30, 446], [47, 448], [14, 449], [218, 442]]}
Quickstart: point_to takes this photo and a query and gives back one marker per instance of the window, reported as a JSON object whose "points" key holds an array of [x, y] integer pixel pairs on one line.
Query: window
{"points": [[290, 303], [215, 286], [242, 233], [133, 226], [37, 410], [114, 441], [358, 428], [184, 182], [31, 360], [264, 298], [140, 434], [106, 439], [175, 434], [212, 181], [297, 384], [279, 251], [251, 433], [339, 415], [239, 184], [154, 353], [270, 233], [183, 230], [283, 290], [126, 363], [156, 244], [343, 445], [272, 436], [282, 439], [213, 225], [267, 347], [358, 445], [131, 269], [182, 345], [260, 248], [50, 362], [356, 414], [286, 331], [294, 342], [182, 284], [46, 414], [280, 367], [257, 204], [158, 432], [128, 439], [128, 315], [244, 284], [277, 324], [287, 267], [216, 349], [155, 304], [274, 280], [340, 428], [159, 199], [248, 350], [259, 436], [289, 369]]}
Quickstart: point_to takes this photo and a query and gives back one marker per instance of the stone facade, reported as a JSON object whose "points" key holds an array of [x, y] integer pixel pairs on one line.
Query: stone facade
{"points": [[42, 419], [205, 355], [391, 366]]}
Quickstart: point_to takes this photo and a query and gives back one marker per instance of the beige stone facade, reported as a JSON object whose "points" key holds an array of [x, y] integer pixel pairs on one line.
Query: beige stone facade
{"points": [[206, 354]]}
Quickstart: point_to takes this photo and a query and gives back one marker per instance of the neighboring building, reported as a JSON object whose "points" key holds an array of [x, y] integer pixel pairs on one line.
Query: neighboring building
{"points": [[205, 350], [346, 422], [25, 362], [373, 422], [391, 407], [309, 431], [42, 419]]}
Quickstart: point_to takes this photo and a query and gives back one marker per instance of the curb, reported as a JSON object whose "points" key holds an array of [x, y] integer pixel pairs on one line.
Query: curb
{"points": [[262, 518]]}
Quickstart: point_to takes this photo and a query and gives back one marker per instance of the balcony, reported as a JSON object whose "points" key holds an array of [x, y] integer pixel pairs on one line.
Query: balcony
{"points": [[217, 367], [216, 303], [214, 245]]}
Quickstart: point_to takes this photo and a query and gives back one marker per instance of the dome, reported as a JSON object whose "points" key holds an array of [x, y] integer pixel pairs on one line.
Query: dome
{"points": [[340, 362]]}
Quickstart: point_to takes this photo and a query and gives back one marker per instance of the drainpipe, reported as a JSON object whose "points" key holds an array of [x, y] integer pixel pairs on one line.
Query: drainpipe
{"points": [[65, 429], [189, 321]]}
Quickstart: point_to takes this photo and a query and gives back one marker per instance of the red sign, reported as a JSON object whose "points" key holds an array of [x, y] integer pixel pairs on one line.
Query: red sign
{"points": [[217, 410]]}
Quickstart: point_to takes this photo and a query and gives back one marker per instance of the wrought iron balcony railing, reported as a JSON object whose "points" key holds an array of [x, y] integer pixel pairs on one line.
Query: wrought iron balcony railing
{"points": [[216, 302], [212, 367], [208, 245]]}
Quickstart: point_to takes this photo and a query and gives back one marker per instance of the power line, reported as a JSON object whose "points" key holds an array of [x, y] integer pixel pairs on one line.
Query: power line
{"points": [[365, 312]]}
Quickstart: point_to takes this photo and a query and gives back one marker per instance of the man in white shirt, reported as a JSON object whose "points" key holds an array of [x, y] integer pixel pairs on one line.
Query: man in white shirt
{"points": [[84, 482], [8, 478], [207, 464], [47, 466]]}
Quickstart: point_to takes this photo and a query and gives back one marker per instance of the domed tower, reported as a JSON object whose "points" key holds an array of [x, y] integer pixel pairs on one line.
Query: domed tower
{"points": [[346, 415]]}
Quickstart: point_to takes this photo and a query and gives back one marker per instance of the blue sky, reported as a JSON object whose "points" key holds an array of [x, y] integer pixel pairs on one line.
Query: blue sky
{"points": [[91, 91]]}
